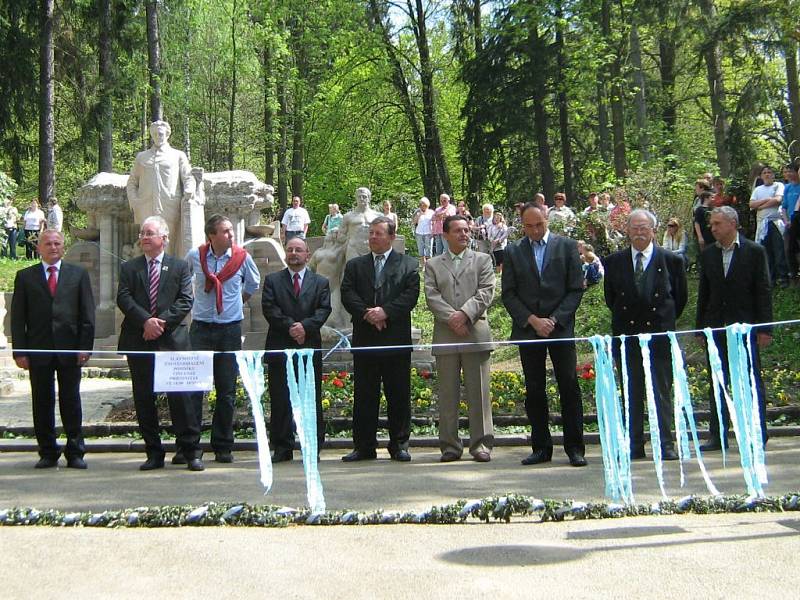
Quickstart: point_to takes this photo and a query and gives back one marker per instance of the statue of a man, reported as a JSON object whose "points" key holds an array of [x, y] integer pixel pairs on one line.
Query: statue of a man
{"points": [[160, 182], [355, 225]]}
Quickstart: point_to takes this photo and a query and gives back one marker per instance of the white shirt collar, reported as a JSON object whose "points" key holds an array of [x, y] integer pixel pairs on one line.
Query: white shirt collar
{"points": [[57, 265], [385, 256], [647, 252], [301, 272]]}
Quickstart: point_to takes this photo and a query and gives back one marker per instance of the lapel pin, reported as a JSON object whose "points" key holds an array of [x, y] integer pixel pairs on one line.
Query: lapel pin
{"points": [[165, 268]]}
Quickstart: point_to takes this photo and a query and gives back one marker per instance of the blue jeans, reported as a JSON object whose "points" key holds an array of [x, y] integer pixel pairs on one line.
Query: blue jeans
{"points": [[11, 241], [438, 245], [220, 337]]}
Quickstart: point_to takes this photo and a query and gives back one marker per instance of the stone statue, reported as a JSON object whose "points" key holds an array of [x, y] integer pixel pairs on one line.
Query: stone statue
{"points": [[355, 225], [160, 183], [327, 261]]}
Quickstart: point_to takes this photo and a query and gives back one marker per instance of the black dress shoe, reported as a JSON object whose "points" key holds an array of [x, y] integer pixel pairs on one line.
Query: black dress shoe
{"points": [[179, 458], [482, 456], [538, 456], [76, 462], [638, 454], [712, 446], [279, 457], [46, 462], [576, 459], [669, 454], [357, 455], [196, 464], [152, 463], [449, 457], [223, 457], [401, 456]]}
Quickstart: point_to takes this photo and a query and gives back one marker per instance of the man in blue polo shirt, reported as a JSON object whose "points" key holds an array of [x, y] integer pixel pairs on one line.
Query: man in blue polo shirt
{"points": [[791, 193], [225, 277]]}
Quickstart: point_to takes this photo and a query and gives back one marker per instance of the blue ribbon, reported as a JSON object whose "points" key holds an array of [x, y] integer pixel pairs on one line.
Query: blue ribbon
{"points": [[614, 431], [302, 394], [652, 410], [684, 413], [252, 373], [718, 383]]}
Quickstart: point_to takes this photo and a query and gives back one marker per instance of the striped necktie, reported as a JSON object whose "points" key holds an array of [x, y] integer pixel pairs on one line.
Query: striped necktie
{"points": [[155, 276]]}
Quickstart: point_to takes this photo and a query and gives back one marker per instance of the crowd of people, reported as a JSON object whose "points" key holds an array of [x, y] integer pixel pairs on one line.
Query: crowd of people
{"points": [[32, 222], [544, 275]]}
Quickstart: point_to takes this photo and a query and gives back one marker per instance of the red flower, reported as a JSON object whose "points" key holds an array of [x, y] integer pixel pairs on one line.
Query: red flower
{"points": [[338, 383], [425, 374], [324, 378], [343, 374]]}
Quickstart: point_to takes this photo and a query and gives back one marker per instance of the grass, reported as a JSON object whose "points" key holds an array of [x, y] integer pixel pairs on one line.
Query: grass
{"points": [[9, 268]]}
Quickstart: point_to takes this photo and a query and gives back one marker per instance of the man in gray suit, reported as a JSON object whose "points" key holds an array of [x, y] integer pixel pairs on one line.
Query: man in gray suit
{"points": [[459, 287], [542, 289]]}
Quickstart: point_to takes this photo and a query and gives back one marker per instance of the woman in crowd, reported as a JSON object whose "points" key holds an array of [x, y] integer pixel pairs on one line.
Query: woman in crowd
{"points": [[480, 227], [387, 212], [422, 229], [498, 238], [34, 222], [675, 239], [333, 220]]}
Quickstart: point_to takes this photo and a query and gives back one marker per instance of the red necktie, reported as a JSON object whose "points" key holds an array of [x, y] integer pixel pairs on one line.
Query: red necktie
{"points": [[154, 277], [297, 284], [52, 279]]}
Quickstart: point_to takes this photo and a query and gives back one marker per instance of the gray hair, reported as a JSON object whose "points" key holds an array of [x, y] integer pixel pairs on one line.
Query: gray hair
{"points": [[424, 200], [643, 212], [390, 226], [155, 124], [488, 207], [163, 228], [727, 212]]}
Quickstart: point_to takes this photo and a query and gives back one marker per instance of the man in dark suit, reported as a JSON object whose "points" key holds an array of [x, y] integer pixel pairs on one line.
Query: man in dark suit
{"points": [[542, 289], [155, 295], [645, 289], [296, 303], [53, 309], [734, 288], [379, 290]]}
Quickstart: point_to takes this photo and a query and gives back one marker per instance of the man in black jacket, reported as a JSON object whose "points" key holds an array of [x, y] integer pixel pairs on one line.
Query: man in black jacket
{"points": [[53, 309], [379, 290], [734, 288], [645, 289], [296, 303]]}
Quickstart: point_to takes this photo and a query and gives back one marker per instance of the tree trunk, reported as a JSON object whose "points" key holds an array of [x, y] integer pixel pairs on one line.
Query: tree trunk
{"points": [[617, 106], [790, 53], [232, 108], [105, 148], [47, 156], [666, 68], [269, 140], [603, 133], [298, 146], [154, 60], [540, 121], [563, 109], [640, 99], [283, 159]]}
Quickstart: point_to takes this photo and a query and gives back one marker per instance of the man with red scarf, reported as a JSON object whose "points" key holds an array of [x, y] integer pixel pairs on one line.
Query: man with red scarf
{"points": [[225, 277]]}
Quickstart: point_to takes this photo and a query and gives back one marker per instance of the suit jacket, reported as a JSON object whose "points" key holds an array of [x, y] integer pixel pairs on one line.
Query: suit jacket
{"points": [[743, 296], [173, 303], [554, 293], [398, 296], [282, 309], [41, 321], [470, 289], [662, 301]]}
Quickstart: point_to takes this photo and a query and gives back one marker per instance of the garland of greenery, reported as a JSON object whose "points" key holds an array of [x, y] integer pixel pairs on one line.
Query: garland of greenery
{"points": [[498, 508]]}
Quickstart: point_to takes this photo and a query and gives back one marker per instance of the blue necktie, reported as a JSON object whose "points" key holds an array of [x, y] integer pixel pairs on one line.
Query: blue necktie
{"points": [[538, 253]]}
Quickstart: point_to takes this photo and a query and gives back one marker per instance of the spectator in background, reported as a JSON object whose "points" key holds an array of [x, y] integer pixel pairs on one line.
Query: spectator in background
{"points": [[605, 203], [720, 197], [675, 239], [34, 222], [702, 229], [480, 229], [592, 267], [766, 200], [333, 220], [791, 218], [462, 210], [55, 216], [498, 238], [387, 212], [445, 209], [561, 212], [10, 219], [422, 229], [538, 202], [700, 186], [295, 221], [593, 204]]}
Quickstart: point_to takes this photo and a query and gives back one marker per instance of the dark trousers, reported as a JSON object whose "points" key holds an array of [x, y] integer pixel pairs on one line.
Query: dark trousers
{"points": [[776, 255], [281, 423], [661, 371], [713, 421], [791, 238], [43, 393], [30, 245], [369, 370], [564, 358], [220, 337], [11, 241], [184, 411]]}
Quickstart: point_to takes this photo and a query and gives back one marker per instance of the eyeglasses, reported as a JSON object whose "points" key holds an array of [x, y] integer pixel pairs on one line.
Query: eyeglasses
{"points": [[149, 234], [672, 224]]}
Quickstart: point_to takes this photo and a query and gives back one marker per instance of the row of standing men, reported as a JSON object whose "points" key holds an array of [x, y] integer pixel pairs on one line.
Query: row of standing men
{"points": [[542, 287]]}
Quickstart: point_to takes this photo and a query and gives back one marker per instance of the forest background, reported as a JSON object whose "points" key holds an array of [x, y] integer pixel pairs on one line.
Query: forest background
{"points": [[488, 101]]}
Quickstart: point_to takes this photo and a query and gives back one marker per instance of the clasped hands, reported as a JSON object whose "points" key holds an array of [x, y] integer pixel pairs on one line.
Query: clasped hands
{"points": [[153, 328], [298, 333], [543, 326], [376, 317], [458, 323]]}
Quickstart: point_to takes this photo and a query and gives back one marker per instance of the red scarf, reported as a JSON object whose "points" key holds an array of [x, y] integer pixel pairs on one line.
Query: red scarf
{"points": [[230, 269]]}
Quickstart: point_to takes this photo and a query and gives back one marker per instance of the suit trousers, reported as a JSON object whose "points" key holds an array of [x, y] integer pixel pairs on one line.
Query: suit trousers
{"points": [[220, 337], [43, 394], [713, 421], [281, 424], [564, 358], [661, 370], [477, 376], [369, 370], [184, 409], [776, 253]]}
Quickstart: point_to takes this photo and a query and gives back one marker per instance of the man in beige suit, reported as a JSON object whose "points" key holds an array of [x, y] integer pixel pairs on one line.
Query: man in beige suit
{"points": [[459, 287]]}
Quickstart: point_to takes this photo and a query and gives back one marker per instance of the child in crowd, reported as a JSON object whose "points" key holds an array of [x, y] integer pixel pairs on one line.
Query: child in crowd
{"points": [[592, 267]]}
